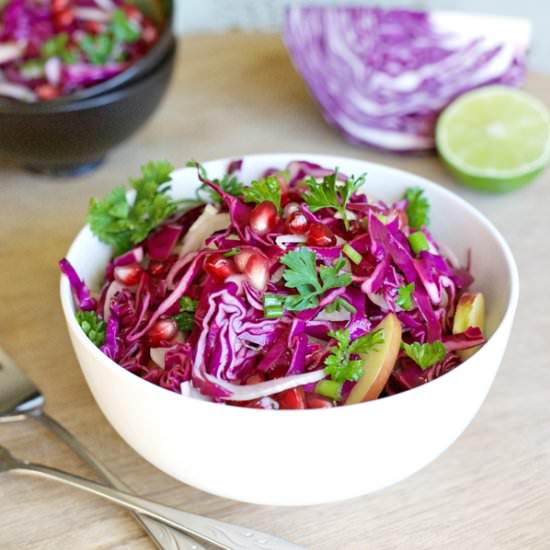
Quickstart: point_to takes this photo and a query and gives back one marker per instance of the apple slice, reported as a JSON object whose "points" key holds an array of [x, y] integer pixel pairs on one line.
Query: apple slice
{"points": [[470, 312], [378, 363]]}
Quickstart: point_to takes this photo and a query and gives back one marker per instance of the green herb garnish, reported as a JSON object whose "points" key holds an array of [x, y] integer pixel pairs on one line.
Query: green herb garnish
{"points": [[425, 355], [338, 304], [343, 364], [92, 325], [331, 193], [57, 46], [404, 297], [121, 224], [302, 274], [418, 207], [267, 189], [123, 29], [97, 48], [185, 319]]}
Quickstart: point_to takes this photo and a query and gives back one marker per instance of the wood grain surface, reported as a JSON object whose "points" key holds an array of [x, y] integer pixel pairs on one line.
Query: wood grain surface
{"points": [[235, 94]]}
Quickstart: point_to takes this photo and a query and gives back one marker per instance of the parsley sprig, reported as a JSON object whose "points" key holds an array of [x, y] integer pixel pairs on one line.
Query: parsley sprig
{"points": [[302, 274], [107, 46], [229, 183], [418, 207], [118, 223], [343, 363], [332, 193], [266, 189], [185, 319], [58, 46], [425, 355]]}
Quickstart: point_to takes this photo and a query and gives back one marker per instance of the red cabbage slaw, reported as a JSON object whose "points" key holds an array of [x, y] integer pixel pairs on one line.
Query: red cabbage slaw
{"points": [[50, 48], [270, 295]]}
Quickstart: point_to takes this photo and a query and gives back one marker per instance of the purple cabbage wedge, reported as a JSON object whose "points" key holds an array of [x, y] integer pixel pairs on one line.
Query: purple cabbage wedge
{"points": [[382, 76]]}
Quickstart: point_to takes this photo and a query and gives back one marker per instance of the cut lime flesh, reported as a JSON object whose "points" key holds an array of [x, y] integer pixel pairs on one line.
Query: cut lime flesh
{"points": [[495, 138]]}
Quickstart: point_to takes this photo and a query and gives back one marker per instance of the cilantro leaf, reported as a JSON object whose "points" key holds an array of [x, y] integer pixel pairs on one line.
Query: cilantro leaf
{"points": [[404, 297], [343, 364], [302, 275], [58, 46], [267, 189], [230, 184], [97, 48], [123, 29], [185, 319], [418, 207], [425, 355], [92, 325], [117, 223], [55, 46], [367, 342], [302, 272], [331, 193]]}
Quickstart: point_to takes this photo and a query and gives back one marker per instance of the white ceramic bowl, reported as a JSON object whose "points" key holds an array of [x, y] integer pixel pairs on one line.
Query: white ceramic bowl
{"points": [[273, 457]]}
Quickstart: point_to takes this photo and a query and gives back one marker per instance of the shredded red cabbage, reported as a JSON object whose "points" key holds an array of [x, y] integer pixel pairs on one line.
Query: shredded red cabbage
{"points": [[50, 48], [225, 322]]}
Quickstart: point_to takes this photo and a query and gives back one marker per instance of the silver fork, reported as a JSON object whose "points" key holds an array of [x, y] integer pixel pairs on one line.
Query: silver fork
{"points": [[224, 535], [21, 399]]}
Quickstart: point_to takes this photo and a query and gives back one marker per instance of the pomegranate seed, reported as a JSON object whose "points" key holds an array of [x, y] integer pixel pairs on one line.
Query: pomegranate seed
{"points": [[132, 12], [255, 378], [162, 331], [158, 268], [320, 235], [257, 271], [149, 33], [63, 18], [60, 5], [128, 275], [47, 92], [317, 402], [294, 196], [263, 218], [219, 267], [290, 208], [291, 399], [94, 27], [297, 223]]}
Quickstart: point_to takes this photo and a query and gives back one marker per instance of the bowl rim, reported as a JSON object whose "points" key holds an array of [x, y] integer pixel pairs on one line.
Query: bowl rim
{"points": [[67, 300], [18, 108]]}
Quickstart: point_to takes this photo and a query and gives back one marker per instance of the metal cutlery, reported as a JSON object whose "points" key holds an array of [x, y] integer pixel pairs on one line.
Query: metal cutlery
{"points": [[20, 399], [221, 534]]}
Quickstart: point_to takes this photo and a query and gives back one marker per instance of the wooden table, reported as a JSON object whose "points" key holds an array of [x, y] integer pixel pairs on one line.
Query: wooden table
{"points": [[235, 94]]}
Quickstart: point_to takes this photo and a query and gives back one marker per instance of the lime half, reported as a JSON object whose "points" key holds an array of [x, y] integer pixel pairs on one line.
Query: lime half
{"points": [[495, 138]]}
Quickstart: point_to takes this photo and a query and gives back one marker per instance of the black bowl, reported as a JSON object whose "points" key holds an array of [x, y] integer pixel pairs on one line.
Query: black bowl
{"points": [[70, 138]]}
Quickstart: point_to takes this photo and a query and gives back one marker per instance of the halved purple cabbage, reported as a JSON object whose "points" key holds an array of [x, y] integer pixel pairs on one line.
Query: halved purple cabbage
{"points": [[381, 76]]}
